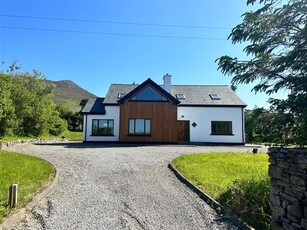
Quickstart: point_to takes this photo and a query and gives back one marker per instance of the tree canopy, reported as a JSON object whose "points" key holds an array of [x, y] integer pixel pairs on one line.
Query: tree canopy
{"points": [[276, 60], [26, 106], [268, 126]]}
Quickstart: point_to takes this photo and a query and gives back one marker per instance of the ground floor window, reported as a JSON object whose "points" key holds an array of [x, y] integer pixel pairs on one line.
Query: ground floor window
{"points": [[221, 127], [101, 127], [139, 126]]}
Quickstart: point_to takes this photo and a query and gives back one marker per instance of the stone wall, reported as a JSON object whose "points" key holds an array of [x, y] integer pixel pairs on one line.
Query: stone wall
{"points": [[4, 145], [288, 191]]}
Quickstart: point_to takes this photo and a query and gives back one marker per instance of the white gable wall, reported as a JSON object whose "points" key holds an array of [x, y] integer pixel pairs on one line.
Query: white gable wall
{"points": [[203, 116], [112, 112]]}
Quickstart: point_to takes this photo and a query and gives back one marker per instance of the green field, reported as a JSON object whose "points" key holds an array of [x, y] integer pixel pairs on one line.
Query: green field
{"points": [[239, 181], [29, 172]]}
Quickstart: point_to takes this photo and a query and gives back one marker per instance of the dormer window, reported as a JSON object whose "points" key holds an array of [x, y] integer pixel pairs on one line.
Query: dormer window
{"points": [[215, 97], [121, 95], [180, 96]]}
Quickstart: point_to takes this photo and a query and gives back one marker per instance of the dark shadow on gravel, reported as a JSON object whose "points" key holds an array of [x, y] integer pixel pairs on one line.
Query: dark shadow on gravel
{"points": [[80, 145], [100, 145]]}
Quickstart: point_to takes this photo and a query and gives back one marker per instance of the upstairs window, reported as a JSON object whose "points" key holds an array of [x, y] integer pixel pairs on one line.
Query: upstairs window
{"points": [[148, 94], [215, 96], [102, 127], [139, 126], [180, 96], [221, 128]]}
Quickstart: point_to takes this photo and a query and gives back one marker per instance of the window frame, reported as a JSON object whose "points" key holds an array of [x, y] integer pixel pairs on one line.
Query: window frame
{"points": [[180, 96], [216, 128], [145, 126], [215, 97], [98, 125], [136, 99]]}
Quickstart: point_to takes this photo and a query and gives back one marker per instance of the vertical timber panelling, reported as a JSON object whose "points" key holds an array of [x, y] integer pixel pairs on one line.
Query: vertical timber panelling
{"points": [[163, 117]]}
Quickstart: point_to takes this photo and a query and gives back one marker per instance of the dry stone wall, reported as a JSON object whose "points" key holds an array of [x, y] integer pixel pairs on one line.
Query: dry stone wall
{"points": [[4, 145], [288, 191]]}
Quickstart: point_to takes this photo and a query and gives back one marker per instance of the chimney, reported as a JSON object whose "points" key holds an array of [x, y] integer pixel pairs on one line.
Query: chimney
{"points": [[167, 82]]}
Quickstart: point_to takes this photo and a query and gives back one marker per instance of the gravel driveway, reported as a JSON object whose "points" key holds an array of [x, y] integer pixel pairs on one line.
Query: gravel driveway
{"points": [[119, 187]]}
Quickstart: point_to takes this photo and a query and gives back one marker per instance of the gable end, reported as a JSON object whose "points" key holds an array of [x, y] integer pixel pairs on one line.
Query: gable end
{"points": [[152, 84]]}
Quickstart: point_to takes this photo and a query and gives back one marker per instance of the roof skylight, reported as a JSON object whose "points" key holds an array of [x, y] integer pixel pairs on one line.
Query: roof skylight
{"points": [[215, 96], [121, 95], [180, 96]]}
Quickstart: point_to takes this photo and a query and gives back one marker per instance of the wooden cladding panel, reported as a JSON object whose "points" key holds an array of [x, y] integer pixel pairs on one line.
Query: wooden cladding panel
{"points": [[163, 117]]}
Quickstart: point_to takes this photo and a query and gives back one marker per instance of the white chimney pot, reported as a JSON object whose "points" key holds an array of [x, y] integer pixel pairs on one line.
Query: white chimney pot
{"points": [[167, 82]]}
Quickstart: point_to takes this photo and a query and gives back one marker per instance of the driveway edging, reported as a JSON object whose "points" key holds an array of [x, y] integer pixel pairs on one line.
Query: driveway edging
{"points": [[19, 214], [5, 145], [211, 202]]}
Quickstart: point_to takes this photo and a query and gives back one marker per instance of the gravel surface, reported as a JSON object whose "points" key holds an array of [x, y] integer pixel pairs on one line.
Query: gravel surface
{"points": [[120, 187]]}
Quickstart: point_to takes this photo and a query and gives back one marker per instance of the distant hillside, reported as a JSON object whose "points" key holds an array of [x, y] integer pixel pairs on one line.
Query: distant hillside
{"points": [[69, 94]]}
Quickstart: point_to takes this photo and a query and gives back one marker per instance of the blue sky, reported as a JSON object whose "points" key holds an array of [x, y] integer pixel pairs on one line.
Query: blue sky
{"points": [[121, 41]]}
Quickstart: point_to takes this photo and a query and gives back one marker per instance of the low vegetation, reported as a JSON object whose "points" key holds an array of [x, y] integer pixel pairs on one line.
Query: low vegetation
{"points": [[239, 181], [29, 172]]}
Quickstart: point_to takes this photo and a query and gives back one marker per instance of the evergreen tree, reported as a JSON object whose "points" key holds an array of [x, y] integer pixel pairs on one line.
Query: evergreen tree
{"points": [[277, 57]]}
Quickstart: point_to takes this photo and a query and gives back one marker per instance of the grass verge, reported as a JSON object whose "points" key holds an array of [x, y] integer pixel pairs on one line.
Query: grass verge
{"points": [[29, 172], [239, 181]]}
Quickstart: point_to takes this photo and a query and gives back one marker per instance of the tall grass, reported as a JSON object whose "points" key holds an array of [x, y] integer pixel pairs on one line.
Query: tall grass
{"points": [[239, 181], [29, 172]]}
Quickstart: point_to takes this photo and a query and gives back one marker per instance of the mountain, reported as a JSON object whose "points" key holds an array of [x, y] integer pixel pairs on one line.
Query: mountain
{"points": [[69, 94]]}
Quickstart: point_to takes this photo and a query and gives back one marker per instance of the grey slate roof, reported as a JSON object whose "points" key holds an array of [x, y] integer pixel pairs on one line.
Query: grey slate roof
{"points": [[115, 89], [94, 106], [195, 94], [200, 95]]}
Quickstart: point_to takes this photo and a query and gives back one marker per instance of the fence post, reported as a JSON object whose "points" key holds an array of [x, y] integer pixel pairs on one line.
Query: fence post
{"points": [[13, 195]]}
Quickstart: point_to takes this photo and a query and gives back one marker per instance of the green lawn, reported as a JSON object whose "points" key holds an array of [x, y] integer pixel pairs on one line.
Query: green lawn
{"points": [[239, 181], [72, 135], [29, 172]]}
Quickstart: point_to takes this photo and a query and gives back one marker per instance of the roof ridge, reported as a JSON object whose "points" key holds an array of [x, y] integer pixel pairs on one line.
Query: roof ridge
{"points": [[171, 85], [203, 85], [122, 84]]}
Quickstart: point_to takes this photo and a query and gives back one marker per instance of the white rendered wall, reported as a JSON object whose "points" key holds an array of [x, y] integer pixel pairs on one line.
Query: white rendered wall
{"points": [[203, 116], [112, 112]]}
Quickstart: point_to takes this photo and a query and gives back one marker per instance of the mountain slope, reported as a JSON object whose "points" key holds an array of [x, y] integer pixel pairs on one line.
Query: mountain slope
{"points": [[69, 94]]}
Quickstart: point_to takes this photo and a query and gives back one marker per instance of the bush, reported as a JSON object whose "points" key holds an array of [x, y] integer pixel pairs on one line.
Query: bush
{"points": [[58, 127]]}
